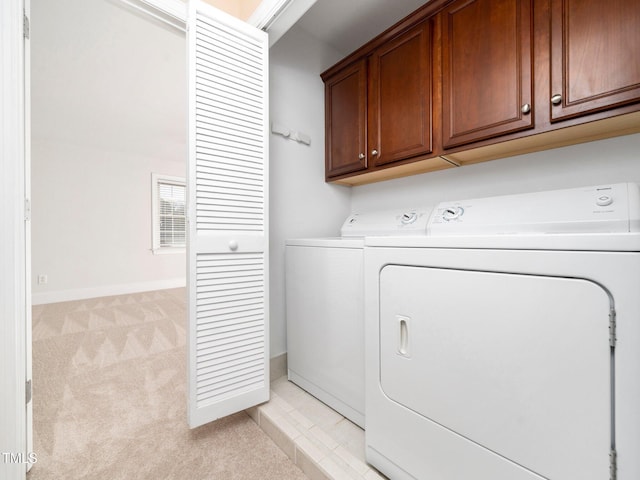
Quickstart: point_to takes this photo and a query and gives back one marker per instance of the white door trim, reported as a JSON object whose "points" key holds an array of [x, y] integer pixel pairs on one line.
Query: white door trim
{"points": [[27, 233], [13, 434], [275, 17]]}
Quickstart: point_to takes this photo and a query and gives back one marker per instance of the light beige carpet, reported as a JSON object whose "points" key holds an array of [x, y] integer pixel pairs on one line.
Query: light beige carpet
{"points": [[109, 398]]}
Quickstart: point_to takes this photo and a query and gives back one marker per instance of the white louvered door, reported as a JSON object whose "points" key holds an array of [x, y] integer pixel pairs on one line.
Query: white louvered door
{"points": [[227, 183]]}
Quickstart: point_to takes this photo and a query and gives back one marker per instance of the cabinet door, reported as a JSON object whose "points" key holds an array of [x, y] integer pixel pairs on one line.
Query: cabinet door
{"points": [[400, 98], [595, 47], [487, 77], [346, 120]]}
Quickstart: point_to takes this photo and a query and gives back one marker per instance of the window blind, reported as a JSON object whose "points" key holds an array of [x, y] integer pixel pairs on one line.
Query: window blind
{"points": [[171, 202]]}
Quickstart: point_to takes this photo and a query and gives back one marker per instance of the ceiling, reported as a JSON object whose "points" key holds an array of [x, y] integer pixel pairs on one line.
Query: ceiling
{"points": [[347, 25]]}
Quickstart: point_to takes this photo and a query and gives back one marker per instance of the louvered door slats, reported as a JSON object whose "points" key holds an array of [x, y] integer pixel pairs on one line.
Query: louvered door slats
{"points": [[230, 131], [231, 180], [235, 115], [228, 88], [231, 170], [231, 300], [212, 153], [224, 142], [235, 208], [226, 362], [210, 70], [248, 347], [234, 321], [215, 368], [230, 330], [217, 344], [217, 123], [227, 192], [214, 289]]}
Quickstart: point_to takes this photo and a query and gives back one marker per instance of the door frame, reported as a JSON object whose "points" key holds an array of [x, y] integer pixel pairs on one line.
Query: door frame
{"points": [[13, 241], [14, 275]]}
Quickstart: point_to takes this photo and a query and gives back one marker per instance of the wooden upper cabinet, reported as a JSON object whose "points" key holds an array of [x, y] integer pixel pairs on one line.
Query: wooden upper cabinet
{"points": [[346, 120], [466, 81], [400, 97], [595, 56], [487, 80]]}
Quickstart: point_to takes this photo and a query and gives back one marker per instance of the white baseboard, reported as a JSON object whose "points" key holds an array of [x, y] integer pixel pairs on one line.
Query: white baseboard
{"points": [[104, 291]]}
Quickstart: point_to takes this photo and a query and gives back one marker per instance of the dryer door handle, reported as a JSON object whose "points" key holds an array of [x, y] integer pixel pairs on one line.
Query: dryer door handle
{"points": [[403, 336]]}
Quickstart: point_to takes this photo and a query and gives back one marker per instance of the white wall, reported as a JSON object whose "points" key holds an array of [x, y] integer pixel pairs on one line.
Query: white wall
{"points": [[108, 109], [92, 223], [301, 203], [605, 161]]}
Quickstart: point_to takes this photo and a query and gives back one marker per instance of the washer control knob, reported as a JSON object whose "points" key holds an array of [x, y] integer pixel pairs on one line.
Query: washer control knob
{"points": [[604, 200], [452, 213], [408, 218]]}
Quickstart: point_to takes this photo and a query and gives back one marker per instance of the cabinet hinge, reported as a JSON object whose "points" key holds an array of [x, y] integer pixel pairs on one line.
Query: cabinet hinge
{"points": [[612, 328], [613, 464], [28, 391], [27, 209], [25, 25]]}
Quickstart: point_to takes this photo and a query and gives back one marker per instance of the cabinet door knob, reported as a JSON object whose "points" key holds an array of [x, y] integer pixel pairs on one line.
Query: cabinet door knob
{"points": [[233, 245], [361, 156], [556, 99], [526, 108], [374, 152]]}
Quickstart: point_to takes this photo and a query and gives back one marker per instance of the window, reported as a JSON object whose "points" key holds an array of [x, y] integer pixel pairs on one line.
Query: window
{"points": [[169, 213]]}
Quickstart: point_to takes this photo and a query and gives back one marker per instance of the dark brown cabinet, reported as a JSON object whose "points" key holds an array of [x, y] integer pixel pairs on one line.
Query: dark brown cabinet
{"points": [[595, 56], [378, 109], [487, 83], [400, 98], [466, 81], [346, 120]]}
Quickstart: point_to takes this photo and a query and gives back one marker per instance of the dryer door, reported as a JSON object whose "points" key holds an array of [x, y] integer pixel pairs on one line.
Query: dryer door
{"points": [[518, 364]]}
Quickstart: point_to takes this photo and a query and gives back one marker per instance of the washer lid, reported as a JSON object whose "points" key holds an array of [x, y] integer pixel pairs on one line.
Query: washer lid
{"points": [[412, 221], [599, 209]]}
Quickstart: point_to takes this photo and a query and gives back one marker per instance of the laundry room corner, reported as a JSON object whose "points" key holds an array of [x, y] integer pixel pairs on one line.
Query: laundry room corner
{"points": [[301, 203]]}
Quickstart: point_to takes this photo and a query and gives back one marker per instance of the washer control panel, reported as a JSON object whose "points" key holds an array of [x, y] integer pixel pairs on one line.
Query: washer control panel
{"points": [[452, 213], [408, 218], [611, 208], [604, 200], [412, 221]]}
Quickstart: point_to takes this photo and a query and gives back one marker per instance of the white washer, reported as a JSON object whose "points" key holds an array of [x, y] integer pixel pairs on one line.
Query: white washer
{"points": [[324, 308], [505, 345]]}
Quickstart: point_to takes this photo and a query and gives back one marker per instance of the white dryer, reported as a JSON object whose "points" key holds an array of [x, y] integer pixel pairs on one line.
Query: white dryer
{"points": [[505, 345], [325, 304]]}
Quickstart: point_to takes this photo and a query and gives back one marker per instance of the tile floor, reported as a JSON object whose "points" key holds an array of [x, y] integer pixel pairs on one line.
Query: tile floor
{"points": [[324, 444]]}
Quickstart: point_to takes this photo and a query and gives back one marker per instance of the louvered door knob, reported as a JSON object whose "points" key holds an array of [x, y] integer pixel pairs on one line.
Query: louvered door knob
{"points": [[556, 99], [233, 245]]}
